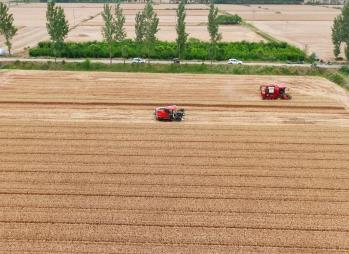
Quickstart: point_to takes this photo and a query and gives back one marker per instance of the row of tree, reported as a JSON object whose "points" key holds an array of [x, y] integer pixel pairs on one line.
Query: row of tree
{"points": [[57, 25], [340, 32], [7, 28], [146, 27], [195, 50]]}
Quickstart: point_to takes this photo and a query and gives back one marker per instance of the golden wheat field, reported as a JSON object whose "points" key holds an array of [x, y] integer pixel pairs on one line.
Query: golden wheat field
{"points": [[84, 167]]}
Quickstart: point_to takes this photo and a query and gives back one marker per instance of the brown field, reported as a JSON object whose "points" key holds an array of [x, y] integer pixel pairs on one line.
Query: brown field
{"points": [[31, 22], [304, 26], [84, 167], [196, 22]]}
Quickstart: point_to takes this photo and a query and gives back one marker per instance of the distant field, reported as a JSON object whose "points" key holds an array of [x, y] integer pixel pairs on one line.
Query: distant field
{"points": [[31, 20], [300, 25], [196, 26]]}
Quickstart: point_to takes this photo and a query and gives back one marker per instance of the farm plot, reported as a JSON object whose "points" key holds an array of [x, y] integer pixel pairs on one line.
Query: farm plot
{"points": [[85, 168], [196, 25], [307, 27], [31, 21]]}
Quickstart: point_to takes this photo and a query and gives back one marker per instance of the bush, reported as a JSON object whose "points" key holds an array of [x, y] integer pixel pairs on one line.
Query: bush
{"points": [[198, 50], [229, 19], [312, 58], [86, 65], [345, 70]]}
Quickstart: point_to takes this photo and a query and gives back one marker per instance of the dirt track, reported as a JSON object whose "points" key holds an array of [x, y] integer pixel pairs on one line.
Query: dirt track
{"points": [[245, 176]]}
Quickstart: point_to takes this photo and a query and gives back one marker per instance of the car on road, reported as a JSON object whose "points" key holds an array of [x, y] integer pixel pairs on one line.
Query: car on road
{"points": [[138, 60], [234, 61], [3, 52], [176, 61]]}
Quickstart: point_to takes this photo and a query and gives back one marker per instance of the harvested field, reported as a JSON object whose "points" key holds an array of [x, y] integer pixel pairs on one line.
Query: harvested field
{"points": [[85, 168], [304, 26], [31, 22], [196, 25]]}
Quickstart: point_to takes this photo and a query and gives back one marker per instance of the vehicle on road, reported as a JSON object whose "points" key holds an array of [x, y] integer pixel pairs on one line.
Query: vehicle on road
{"points": [[274, 92], [234, 61], [169, 113], [3, 52], [176, 61], [138, 60]]}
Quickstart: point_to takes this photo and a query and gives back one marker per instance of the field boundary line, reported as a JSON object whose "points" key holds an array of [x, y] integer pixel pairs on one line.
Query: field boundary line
{"points": [[72, 103], [169, 174], [161, 243], [175, 226], [172, 141], [174, 185], [219, 212], [170, 197], [113, 155], [159, 164]]}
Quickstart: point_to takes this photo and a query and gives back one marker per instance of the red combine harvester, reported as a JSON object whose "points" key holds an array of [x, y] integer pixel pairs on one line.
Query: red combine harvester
{"points": [[169, 113], [274, 92]]}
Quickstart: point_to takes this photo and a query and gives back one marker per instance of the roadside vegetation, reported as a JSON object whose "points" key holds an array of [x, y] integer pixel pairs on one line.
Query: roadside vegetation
{"points": [[146, 28], [339, 77], [113, 29], [145, 44], [148, 46], [57, 27], [194, 49], [7, 28], [213, 30], [182, 35], [340, 32]]}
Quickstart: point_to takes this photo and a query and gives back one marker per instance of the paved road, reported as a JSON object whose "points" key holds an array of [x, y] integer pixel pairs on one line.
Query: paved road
{"points": [[116, 60]]}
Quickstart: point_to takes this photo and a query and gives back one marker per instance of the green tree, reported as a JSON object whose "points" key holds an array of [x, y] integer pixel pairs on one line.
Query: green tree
{"points": [[340, 31], [337, 35], [7, 28], [182, 36], [140, 27], [151, 27], [312, 58], [124, 52], [57, 26], [108, 28], [119, 22], [213, 30]]}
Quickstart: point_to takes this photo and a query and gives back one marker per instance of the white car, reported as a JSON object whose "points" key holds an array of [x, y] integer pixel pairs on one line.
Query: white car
{"points": [[3, 52], [234, 61], [138, 60]]}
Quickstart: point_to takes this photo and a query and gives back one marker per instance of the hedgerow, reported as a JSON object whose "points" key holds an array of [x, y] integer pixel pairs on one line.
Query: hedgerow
{"points": [[229, 19], [199, 50]]}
